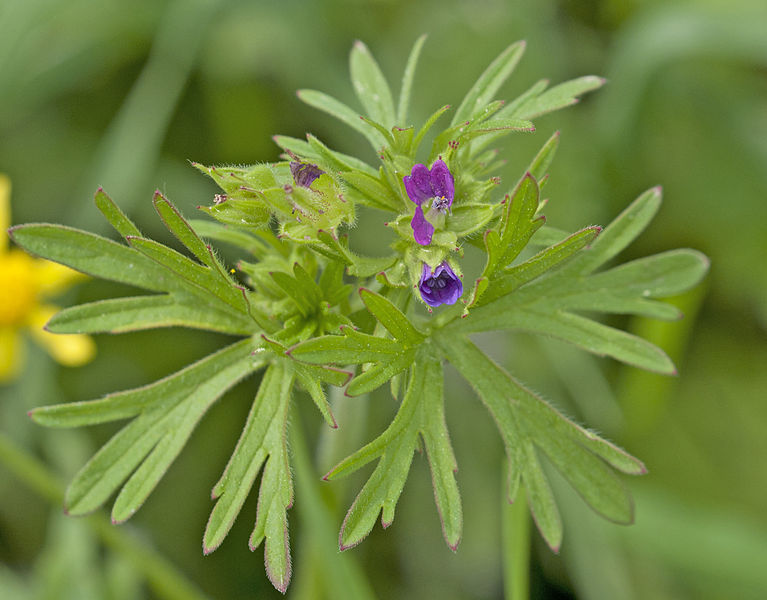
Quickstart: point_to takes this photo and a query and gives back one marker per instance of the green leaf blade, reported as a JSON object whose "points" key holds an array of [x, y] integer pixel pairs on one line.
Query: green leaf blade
{"points": [[370, 86], [380, 373], [183, 231], [92, 254], [489, 82], [391, 318], [261, 438], [591, 336], [120, 315], [407, 80], [558, 97], [116, 217], [351, 348], [439, 452], [183, 396], [342, 112], [620, 233]]}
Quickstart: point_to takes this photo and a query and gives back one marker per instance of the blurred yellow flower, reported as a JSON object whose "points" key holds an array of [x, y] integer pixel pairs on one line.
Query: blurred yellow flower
{"points": [[24, 284]]}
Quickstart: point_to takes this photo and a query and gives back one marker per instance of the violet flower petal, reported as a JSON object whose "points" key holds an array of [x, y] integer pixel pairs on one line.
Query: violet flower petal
{"points": [[422, 229], [304, 173], [442, 286], [418, 184], [442, 182]]}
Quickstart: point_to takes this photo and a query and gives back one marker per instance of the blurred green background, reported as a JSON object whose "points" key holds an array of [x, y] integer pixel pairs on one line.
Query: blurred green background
{"points": [[123, 96]]}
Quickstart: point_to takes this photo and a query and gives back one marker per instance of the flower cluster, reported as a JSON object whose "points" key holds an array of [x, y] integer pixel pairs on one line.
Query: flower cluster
{"points": [[434, 190]]}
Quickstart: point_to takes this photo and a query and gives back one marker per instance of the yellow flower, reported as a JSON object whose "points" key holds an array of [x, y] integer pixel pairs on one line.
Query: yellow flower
{"points": [[24, 284]]}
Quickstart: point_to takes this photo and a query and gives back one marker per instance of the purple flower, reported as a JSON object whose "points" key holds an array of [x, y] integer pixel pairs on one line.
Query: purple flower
{"points": [[431, 188], [440, 286], [304, 173]]}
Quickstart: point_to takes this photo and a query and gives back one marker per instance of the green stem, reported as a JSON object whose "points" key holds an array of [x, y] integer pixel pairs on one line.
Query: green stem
{"points": [[516, 547], [163, 577]]}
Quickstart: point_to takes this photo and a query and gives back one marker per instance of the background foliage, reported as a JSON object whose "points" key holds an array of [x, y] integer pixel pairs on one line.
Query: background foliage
{"points": [[92, 94]]}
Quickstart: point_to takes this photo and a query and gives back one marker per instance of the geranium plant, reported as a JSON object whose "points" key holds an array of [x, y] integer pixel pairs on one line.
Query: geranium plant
{"points": [[312, 312]]}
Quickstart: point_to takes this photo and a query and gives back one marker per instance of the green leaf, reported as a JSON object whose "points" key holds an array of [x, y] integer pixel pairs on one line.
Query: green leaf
{"points": [[628, 288], [407, 80], [494, 126], [300, 288], [560, 96], [116, 217], [337, 161], [352, 347], [621, 232], [93, 255], [483, 91], [427, 126], [392, 318], [373, 193], [469, 217], [343, 113], [251, 213], [421, 413], [380, 373], [204, 278], [262, 441], [540, 498], [119, 315], [517, 275], [542, 161], [542, 305], [179, 227], [660, 275], [529, 425], [234, 235], [595, 337], [370, 86], [365, 266], [166, 413]]}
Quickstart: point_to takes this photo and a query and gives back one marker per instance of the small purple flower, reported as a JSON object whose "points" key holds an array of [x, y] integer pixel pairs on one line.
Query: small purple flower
{"points": [[305, 173], [440, 286], [431, 188]]}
